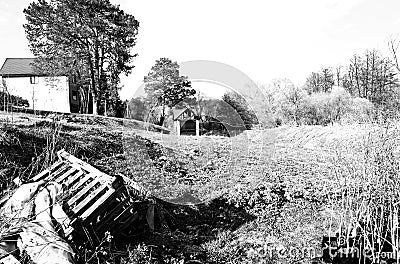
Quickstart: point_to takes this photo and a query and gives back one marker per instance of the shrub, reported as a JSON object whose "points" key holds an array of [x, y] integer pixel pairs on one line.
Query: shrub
{"points": [[8, 100], [339, 103], [334, 107], [137, 109], [316, 109], [361, 111], [241, 107]]}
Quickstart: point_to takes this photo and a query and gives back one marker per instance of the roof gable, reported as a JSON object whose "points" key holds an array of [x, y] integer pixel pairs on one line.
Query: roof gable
{"points": [[178, 112], [17, 67]]}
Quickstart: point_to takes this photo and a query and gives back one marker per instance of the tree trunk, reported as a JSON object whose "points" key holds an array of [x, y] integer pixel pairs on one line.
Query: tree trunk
{"points": [[162, 119], [95, 104], [83, 100], [93, 86]]}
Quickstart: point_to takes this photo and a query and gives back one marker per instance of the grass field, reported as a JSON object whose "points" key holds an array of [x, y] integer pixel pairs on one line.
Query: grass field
{"points": [[228, 200]]}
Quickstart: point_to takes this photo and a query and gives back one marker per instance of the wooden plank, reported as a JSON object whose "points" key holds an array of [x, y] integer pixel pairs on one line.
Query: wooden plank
{"points": [[124, 215], [114, 212], [74, 179], [101, 213], [9, 259], [62, 169], [81, 182], [41, 175], [46, 171], [117, 218], [51, 174], [65, 155], [82, 192], [60, 178], [108, 206], [88, 199], [116, 226], [56, 165], [97, 204], [69, 231]]}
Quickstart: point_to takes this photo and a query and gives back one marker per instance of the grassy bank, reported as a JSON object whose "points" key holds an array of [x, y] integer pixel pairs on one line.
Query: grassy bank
{"points": [[259, 192]]}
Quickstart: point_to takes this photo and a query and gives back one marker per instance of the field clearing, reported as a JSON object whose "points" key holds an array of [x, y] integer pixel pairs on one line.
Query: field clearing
{"points": [[308, 152], [308, 168]]}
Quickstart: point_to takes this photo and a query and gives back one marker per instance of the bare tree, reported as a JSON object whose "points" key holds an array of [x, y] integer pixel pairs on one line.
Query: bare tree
{"points": [[371, 76], [393, 47], [321, 81], [338, 75]]}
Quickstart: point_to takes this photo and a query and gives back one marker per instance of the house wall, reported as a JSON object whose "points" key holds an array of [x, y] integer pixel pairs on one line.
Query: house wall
{"points": [[48, 94]]}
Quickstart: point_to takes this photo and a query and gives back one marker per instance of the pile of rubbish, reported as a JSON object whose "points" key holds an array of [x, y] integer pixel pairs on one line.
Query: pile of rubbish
{"points": [[68, 202]]}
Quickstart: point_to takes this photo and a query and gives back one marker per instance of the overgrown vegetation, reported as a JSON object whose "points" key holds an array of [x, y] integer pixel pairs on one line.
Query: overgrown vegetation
{"points": [[7, 101], [307, 184], [368, 215], [288, 104]]}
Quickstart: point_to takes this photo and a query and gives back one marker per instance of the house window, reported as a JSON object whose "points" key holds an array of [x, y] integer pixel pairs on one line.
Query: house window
{"points": [[75, 95], [34, 79]]}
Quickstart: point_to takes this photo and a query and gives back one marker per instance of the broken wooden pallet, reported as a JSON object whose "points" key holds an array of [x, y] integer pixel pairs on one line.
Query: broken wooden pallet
{"points": [[94, 201]]}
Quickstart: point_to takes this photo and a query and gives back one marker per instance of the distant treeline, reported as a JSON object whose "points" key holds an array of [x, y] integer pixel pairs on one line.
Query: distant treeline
{"points": [[367, 89]]}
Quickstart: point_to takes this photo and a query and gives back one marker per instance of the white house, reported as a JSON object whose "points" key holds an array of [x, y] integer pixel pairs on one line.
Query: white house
{"points": [[44, 93]]}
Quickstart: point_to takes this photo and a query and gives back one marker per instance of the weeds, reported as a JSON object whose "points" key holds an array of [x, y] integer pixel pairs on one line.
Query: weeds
{"points": [[304, 190], [367, 211]]}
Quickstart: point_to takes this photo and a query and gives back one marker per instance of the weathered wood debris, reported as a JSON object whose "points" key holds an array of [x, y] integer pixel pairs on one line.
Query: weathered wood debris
{"points": [[71, 200]]}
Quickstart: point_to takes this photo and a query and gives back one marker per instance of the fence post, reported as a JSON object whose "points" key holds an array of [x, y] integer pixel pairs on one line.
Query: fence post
{"points": [[197, 128], [178, 127]]}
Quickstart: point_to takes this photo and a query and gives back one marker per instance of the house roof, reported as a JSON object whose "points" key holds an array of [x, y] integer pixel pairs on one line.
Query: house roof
{"points": [[178, 112], [17, 67]]}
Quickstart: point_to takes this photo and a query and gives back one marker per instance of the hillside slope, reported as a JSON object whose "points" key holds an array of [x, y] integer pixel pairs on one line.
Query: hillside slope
{"points": [[227, 200]]}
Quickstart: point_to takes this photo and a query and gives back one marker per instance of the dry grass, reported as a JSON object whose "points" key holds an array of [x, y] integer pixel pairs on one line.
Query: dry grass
{"points": [[282, 188], [367, 210], [330, 178]]}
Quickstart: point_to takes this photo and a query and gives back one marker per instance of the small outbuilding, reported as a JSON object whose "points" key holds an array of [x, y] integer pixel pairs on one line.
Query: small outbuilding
{"points": [[186, 122]]}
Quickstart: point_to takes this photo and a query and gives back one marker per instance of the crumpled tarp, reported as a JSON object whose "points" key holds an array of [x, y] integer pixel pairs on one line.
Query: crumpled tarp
{"points": [[30, 210]]}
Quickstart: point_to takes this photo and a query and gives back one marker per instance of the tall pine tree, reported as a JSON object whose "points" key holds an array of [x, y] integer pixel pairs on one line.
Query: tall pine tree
{"points": [[92, 39], [165, 87]]}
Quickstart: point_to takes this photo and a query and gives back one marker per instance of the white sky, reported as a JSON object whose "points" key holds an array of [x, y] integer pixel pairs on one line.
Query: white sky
{"points": [[264, 39]]}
